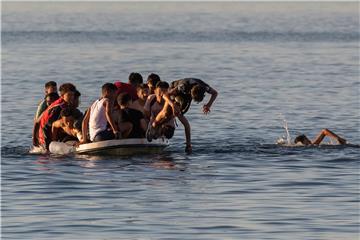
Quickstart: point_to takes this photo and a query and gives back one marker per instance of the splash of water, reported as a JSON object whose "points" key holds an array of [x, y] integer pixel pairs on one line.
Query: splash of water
{"points": [[285, 139]]}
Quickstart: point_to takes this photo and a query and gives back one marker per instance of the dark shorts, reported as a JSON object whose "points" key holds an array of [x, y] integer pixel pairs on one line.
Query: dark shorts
{"points": [[104, 135], [168, 131]]}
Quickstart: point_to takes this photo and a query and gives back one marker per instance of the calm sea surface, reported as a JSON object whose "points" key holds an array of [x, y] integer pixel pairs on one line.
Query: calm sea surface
{"points": [[268, 61]]}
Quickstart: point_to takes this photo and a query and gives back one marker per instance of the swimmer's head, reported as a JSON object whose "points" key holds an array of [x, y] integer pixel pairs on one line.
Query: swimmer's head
{"points": [[135, 79], [197, 93], [302, 139]]}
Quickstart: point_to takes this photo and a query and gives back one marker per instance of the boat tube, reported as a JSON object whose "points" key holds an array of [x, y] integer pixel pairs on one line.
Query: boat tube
{"points": [[111, 147]]}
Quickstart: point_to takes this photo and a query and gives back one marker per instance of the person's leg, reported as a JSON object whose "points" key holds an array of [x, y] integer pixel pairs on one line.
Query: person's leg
{"points": [[168, 131], [104, 135], [163, 115], [125, 129]]}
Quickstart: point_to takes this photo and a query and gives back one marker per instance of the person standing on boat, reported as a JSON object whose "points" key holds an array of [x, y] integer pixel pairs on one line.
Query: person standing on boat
{"points": [[52, 113], [98, 120]]}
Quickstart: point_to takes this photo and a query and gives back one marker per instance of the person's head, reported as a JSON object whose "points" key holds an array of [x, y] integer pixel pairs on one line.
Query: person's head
{"points": [[161, 88], [152, 80], [197, 93], [77, 99], [135, 79], [50, 87], [67, 115], [51, 97], [142, 91], [302, 139], [67, 92], [109, 90], [124, 100]]}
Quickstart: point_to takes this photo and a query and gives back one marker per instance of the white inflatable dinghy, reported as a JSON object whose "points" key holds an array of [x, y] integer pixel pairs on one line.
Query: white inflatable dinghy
{"points": [[111, 147]]}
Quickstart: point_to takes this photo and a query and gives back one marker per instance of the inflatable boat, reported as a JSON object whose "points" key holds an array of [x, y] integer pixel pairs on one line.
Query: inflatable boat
{"points": [[111, 147]]}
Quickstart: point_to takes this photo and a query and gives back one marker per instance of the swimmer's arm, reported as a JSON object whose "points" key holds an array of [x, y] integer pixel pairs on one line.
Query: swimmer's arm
{"points": [[187, 127], [84, 126], [214, 95], [108, 111], [327, 132]]}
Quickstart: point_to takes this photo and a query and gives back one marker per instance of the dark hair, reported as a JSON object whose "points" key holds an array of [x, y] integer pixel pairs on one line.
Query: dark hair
{"points": [[301, 138], [123, 98], [162, 84], [50, 84], [168, 131], [142, 86], [135, 78], [197, 93], [77, 94], [53, 95], [67, 112], [153, 79], [108, 87], [67, 87]]}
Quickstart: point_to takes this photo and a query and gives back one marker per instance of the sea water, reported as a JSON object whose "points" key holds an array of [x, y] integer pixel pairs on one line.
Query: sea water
{"points": [[297, 59]]}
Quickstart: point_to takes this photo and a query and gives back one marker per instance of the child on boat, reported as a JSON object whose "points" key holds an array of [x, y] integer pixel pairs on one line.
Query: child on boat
{"points": [[42, 127], [98, 121], [132, 121], [142, 92], [50, 87], [135, 79], [152, 80]]}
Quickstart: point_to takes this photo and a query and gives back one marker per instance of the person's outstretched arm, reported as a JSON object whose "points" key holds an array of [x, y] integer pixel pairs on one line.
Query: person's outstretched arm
{"points": [[185, 122], [327, 132], [206, 107]]}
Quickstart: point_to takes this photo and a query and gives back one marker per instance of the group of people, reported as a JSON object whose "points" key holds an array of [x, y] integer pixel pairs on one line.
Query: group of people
{"points": [[124, 110]]}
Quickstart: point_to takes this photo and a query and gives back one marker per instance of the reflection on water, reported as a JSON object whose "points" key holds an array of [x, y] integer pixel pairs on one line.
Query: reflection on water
{"points": [[300, 60]]}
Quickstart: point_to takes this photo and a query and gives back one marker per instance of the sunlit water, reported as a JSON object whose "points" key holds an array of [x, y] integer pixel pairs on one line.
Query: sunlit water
{"points": [[298, 60]]}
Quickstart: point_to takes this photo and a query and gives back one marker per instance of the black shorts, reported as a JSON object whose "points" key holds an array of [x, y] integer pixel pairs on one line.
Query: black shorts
{"points": [[168, 131]]}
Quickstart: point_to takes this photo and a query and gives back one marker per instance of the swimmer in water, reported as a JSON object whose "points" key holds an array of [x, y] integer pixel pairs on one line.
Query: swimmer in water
{"points": [[325, 132]]}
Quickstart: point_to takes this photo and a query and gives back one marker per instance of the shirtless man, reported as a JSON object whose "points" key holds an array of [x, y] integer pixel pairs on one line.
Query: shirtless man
{"points": [[132, 123], [185, 90], [142, 92], [66, 125], [325, 132], [162, 117]]}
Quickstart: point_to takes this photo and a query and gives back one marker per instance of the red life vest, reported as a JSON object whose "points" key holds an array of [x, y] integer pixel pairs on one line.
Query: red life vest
{"points": [[127, 88], [45, 123]]}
